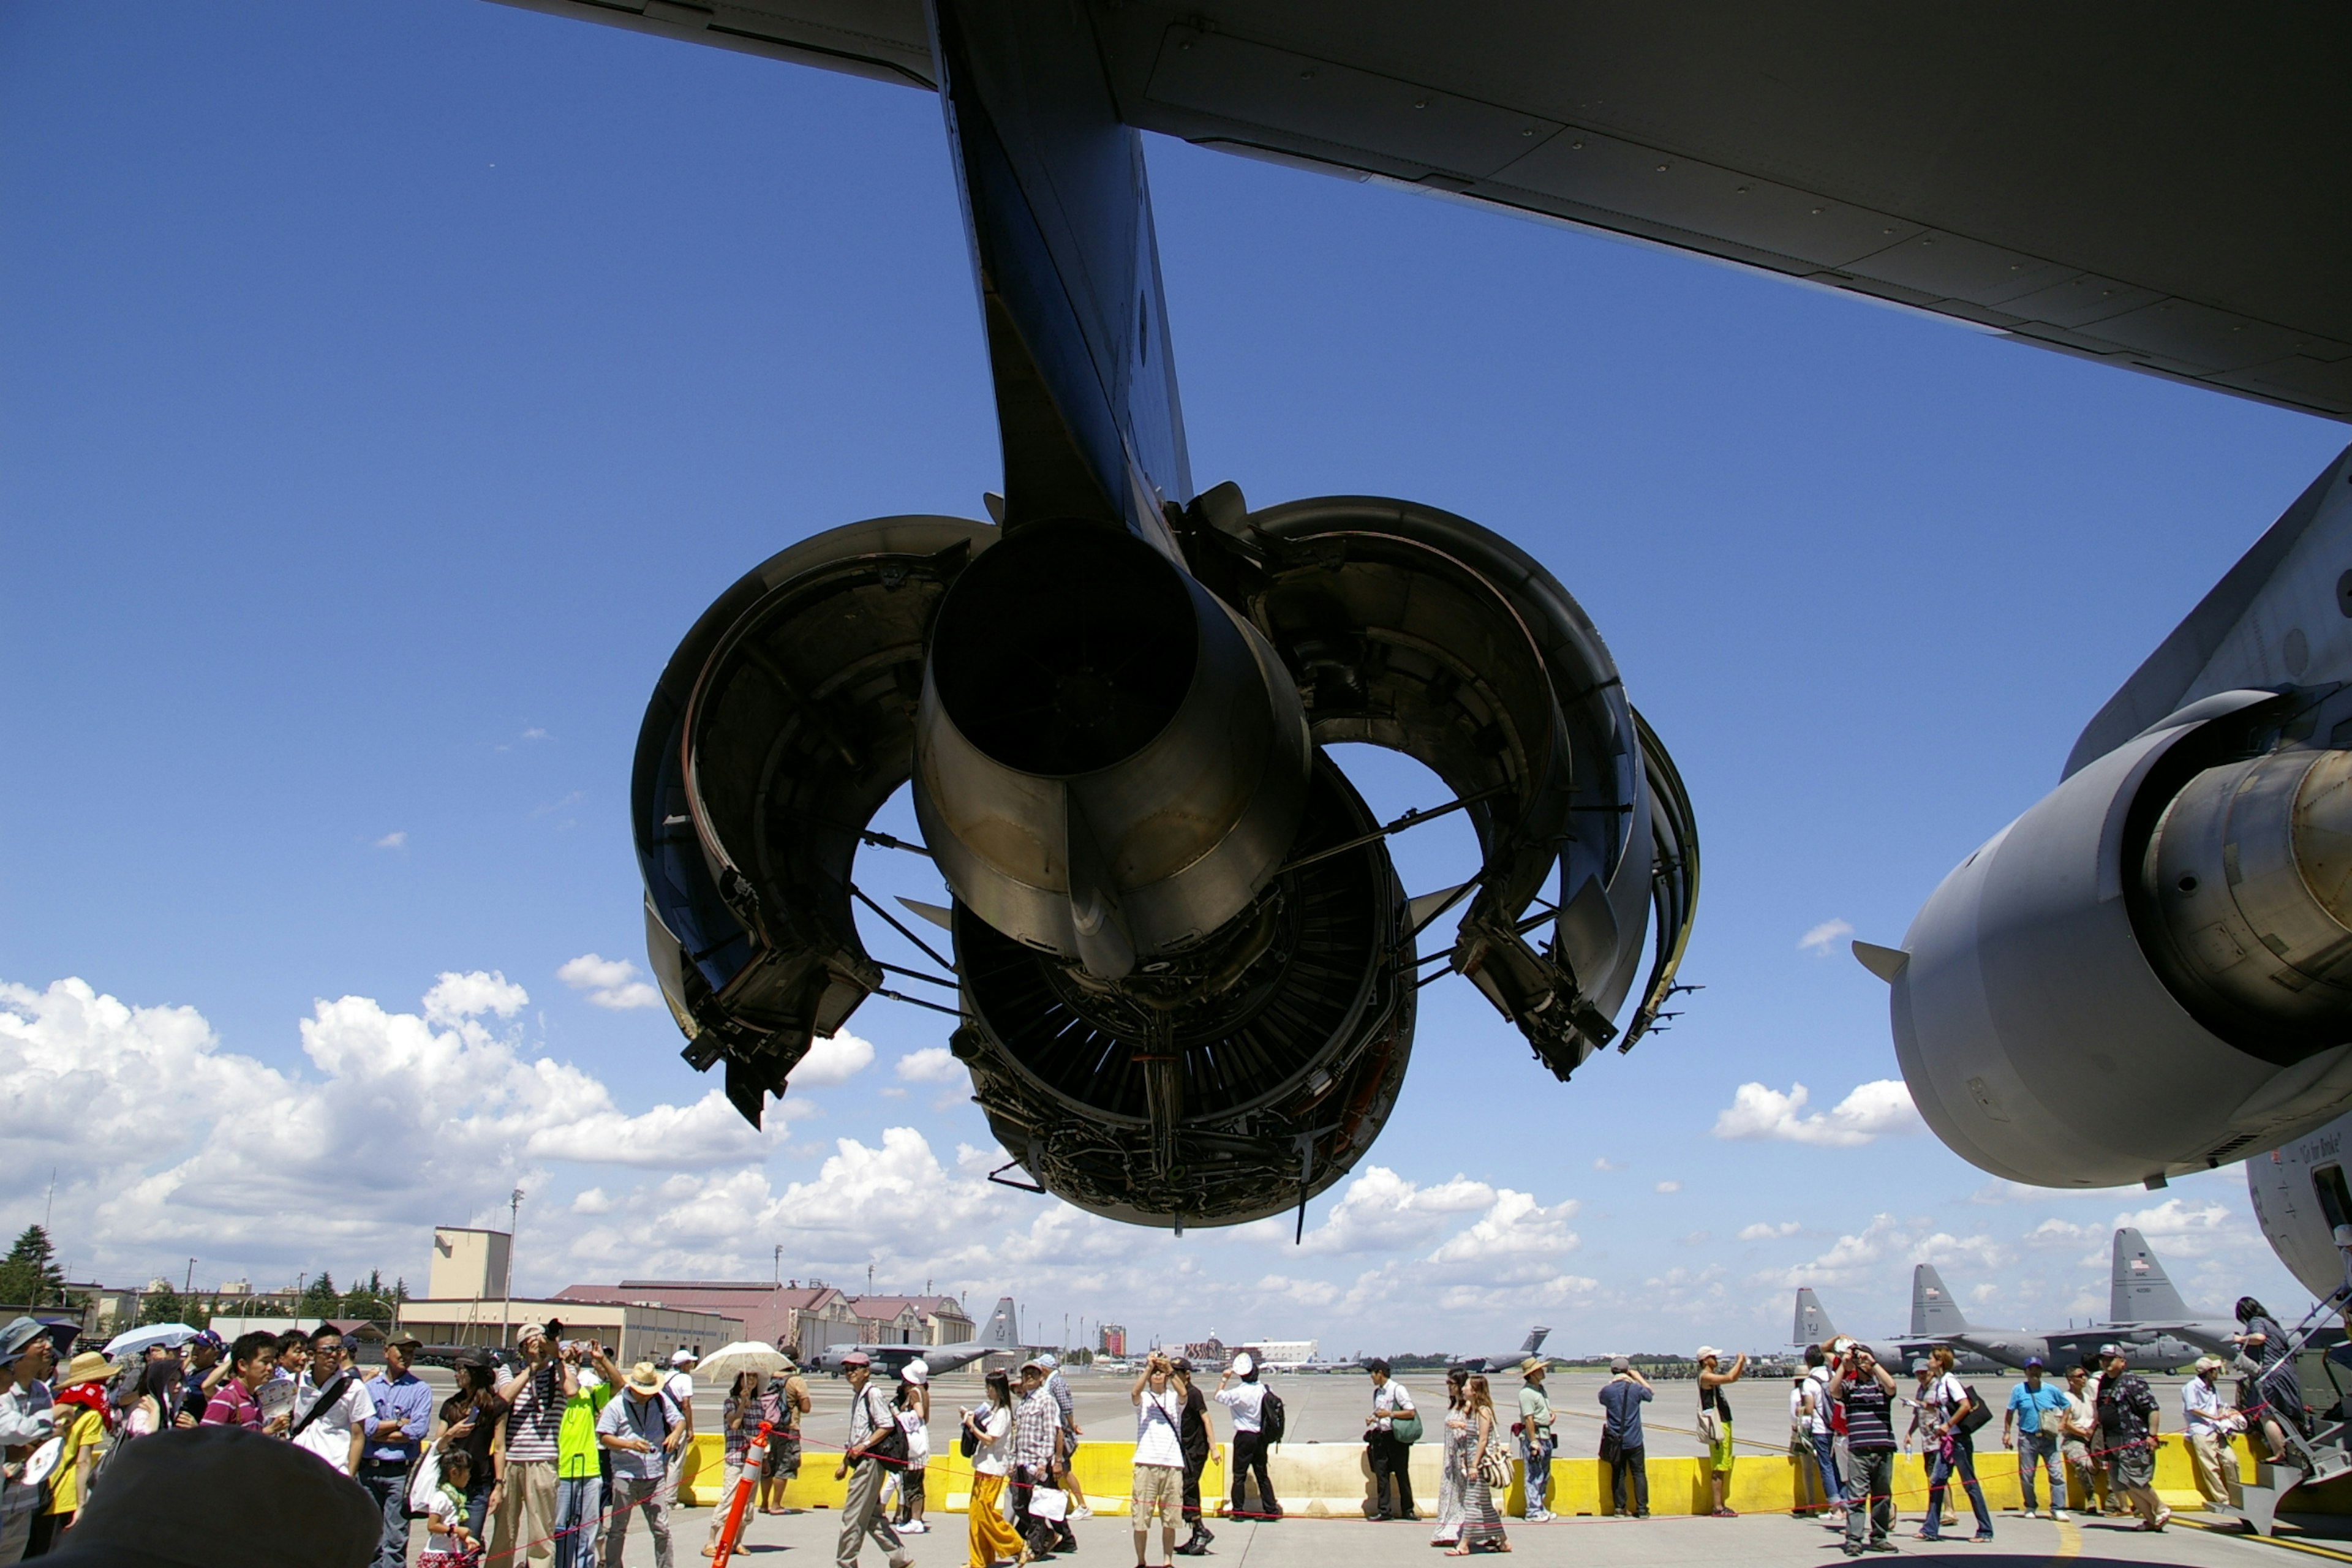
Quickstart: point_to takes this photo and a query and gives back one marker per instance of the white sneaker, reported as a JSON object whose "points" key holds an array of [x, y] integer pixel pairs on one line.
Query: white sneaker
{"points": [[914, 1527], [2057, 1514], [1082, 1513]]}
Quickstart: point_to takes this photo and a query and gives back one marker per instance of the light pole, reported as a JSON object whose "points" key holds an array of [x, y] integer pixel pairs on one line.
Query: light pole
{"points": [[779, 1277], [188, 1286], [506, 1308]]}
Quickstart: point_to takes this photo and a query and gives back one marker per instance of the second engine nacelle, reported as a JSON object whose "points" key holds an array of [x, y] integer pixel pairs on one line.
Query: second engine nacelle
{"points": [[2148, 973]]}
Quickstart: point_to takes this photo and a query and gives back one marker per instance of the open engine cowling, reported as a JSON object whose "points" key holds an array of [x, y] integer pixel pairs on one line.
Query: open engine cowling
{"points": [[1186, 967], [2149, 973]]}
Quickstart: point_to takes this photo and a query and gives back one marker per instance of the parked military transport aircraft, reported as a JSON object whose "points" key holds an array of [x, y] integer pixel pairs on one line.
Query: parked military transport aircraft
{"points": [[1932, 1308], [1812, 1327], [1510, 1360], [1184, 964], [1001, 1333]]}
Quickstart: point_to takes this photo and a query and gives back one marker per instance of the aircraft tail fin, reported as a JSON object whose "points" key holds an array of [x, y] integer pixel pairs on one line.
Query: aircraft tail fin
{"points": [[1813, 1326], [1004, 1330], [2140, 1292], [1933, 1311], [1536, 1338]]}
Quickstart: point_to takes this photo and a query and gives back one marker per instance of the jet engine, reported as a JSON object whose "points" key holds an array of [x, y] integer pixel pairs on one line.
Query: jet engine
{"points": [[2150, 971], [1184, 967]]}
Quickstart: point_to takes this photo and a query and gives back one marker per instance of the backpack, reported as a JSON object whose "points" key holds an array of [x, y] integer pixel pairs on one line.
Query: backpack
{"points": [[1272, 1418]]}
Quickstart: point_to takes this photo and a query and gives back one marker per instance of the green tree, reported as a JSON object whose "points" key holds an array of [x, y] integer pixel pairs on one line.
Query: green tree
{"points": [[29, 1275], [320, 1298], [373, 1300], [161, 1307]]}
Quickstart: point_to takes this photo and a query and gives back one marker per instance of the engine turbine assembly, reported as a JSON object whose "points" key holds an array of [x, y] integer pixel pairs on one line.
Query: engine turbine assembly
{"points": [[1186, 967]]}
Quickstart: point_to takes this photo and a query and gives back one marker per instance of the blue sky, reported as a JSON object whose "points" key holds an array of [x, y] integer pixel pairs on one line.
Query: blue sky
{"points": [[387, 388]]}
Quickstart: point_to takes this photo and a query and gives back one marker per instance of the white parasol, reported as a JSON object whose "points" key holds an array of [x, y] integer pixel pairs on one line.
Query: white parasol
{"points": [[723, 1365], [135, 1341]]}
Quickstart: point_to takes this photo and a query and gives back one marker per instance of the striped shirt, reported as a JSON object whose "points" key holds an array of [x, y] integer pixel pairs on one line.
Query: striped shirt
{"points": [[535, 1420], [1868, 1428]]}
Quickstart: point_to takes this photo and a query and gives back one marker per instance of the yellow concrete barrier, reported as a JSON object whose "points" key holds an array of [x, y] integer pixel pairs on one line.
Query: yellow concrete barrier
{"points": [[1334, 1480]]}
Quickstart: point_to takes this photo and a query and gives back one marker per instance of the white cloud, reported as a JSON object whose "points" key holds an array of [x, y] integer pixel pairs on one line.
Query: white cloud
{"points": [[1822, 939], [1670, 1186], [609, 981], [457, 998], [830, 1063], [175, 1142], [932, 1064], [1873, 1110], [1605, 1164], [1761, 1231], [1380, 1211], [393, 841], [1515, 1227], [1852, 1257]]}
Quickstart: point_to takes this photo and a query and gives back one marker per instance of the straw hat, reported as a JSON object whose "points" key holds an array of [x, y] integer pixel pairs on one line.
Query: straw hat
{"points": [[88, 1367], [645, 1378]]}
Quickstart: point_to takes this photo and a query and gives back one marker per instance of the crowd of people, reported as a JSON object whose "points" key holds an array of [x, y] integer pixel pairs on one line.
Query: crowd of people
{"points": [[555, 1454]]}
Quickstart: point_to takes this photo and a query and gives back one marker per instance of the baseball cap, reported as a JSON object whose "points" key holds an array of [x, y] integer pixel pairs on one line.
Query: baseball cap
{"points": [[1243, 1364], [1620, 1363], [2033, 1364], [1707, 1351], [682, 1357], [406, 1341], [1182, 1363], [1048, 1360], [2204, 1363], [1921, 1363], [2111, 1349]]}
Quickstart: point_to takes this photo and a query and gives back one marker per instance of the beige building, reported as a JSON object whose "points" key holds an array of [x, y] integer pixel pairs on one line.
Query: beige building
{"points": [[636, 1331], [470, 1264], [912, 1321]]}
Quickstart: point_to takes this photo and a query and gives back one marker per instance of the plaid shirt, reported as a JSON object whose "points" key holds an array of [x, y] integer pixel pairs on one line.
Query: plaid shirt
{"points": [[1036, 1421]]}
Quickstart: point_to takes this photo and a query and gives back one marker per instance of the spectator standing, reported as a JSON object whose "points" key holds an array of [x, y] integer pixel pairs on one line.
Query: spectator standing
{"points": [[205, 1369], [2078, 1424], [1246, 1400], [1059, 1387], [1713, 1403], [1389, 1456], [253, 1360], [579, 1457], [2031, 1423], [1036, 1453], [1158, 1483], [1865, 1390], [1622, 1398], [912, 1411], [2128, 1423], [679, 1386], [1481, 1521], [1804, 1473], [403, 1415], [861, 1513], [642, 1428], [469, 1423], [1449, 1468], [1948, 1448], [1923, 1372], [1197, 1443], [2211, 1423], [1536, 1439], [1821, 1429], [991, 1540], [28, 1419], [782, 1403], [155, 1399], [523, 1500], [331, 1408], [80, 1409], [737, 1417], [449, 1540]]}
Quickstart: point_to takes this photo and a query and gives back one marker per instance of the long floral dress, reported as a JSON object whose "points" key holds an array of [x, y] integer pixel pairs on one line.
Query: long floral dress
{"points": [[1482, 1521], [1449, 1482]]}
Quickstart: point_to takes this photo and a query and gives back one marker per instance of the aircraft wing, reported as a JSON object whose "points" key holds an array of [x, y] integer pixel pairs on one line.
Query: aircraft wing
{"points": [[2141, 187]]}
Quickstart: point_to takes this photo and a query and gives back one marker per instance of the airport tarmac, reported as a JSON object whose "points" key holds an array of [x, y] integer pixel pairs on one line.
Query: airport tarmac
{"points": [[1755, 1541]]}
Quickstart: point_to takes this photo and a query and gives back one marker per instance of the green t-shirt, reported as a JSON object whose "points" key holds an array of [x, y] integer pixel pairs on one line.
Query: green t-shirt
{"points": [[1535, 1411], [575, 1440]]}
